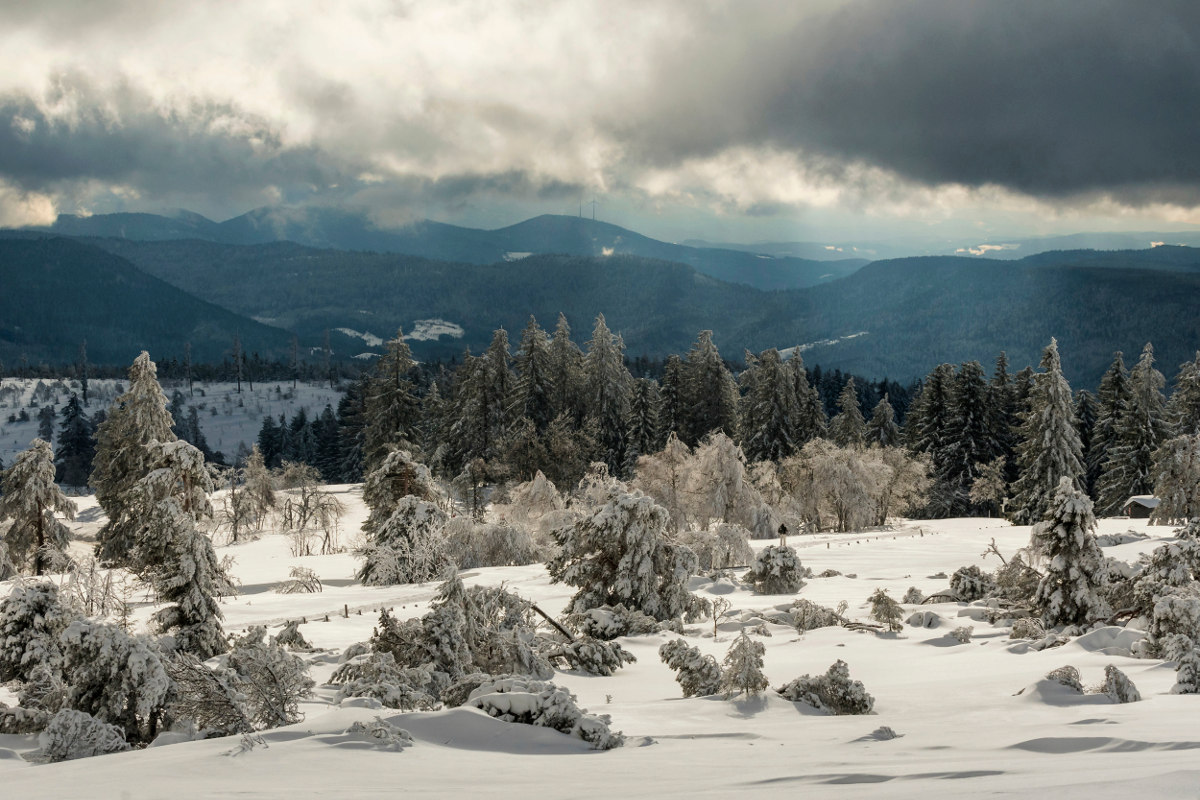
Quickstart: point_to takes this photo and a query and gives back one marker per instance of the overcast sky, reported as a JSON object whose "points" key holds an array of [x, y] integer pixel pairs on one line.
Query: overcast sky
{"points": [[739, 121]]}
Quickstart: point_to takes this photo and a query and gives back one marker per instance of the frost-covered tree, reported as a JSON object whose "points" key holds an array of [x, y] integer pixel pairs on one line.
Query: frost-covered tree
{"points": [[607, 388], [741, 671], [29, 500], [173, 551], [848, 428], [137, 418], [664, 475], [970, 583], [76, 446], [1118, 686], [1176, 476], [1050, 448], [847, 489], [1141, 428], [1183, 409], [272, 680], [406, 547], [882, 429], [74, 734], [722, 546], [718, 489], [698, 675], [709, 394], [622, 554], [1068, 593], [258, 487], [886, 611], [990, 488]]}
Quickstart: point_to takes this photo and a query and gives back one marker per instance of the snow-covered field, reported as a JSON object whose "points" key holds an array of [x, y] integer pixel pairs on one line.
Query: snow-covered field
{"points": [[962, 728], [227, 418]]}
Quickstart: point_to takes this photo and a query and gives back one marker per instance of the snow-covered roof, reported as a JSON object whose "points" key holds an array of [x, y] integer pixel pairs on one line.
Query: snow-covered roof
{"points": [[1144, 500]]}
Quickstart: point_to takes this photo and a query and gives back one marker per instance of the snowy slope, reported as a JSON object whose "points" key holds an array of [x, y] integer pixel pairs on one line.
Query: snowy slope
{"points": [[964, 731]]}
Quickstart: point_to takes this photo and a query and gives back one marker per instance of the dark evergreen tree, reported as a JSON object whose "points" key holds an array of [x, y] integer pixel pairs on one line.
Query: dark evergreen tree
{"points": [[1184, 406], [269, 442], [76, 446], [392, 409], [710, 395], [848, 428], [1141, 428], [927, 420], [608, 389], [1111, 399], [969, 441], [810, 412], [351, 420], [328, 446], [534, 389], [769, 409], [643, 437], [882, 429], [46, 417], [1086, 412], [670, 418], [566, 372]]}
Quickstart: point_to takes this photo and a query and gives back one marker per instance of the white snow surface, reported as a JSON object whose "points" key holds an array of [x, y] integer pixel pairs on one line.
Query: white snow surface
{"points": [[371, 339], [425, 329], [962, 729]]}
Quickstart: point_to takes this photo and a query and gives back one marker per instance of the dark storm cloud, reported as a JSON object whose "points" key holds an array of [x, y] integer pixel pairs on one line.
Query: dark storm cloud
{"points": [[117, 136], [1047, 98]]}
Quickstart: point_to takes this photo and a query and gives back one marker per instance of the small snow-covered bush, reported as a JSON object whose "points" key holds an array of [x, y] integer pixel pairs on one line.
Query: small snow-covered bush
{"points": [[540, 703], [291, 637], [377, 675], [406, 547], [207, 696], [971, 583], [301, 580], [741, 672], [1118, 686], [1016, 581], [963, 634], [810, 616], [1067, 676], [593, 656], [1027, 628], [389, 736], [833, 692], [698, 675], [1175, 613], [777, 570], [610, 622], [722, 546], [31, 619], [21, 720], [913, 596], [74, 734], [885, 610]]}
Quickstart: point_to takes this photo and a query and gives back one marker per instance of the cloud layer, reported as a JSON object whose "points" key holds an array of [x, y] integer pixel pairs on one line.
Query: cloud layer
{"points": [[901, 107]]}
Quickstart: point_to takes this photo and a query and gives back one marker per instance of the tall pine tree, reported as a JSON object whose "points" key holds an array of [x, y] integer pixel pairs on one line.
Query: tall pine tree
{"points": [[1140, 429]]}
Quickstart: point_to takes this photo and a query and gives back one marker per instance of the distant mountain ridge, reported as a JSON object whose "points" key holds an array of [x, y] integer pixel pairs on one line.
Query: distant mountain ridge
{"points": [[340, 229]]}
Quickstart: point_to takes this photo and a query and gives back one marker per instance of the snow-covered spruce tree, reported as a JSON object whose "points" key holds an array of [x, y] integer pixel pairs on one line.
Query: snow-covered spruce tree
{"points": [[833, 692], [971, 583], [1183, 409], [698, 675], [607, 387], [882, 429], [848, 428], [174, 553], [810, 411], [886, 611], [769, 409], [406, 547], [76, 446], [1068, 591], [75, 734], [566, 373], [272, 680], [378, 675], [29, 499], [1176, 478], [1050, 449], [622, 554], [391, 404], [1141, 428], [990, 487], [709, 395], [1183, 651], [534, 702], [1118, 686], [137, 418], [741, 671], [777, 570], [32, 618], [115, 677]]}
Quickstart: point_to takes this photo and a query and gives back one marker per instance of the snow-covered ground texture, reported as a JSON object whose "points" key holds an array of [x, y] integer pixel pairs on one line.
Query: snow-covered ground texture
{"points": [[227, 418], [970, 719]]}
